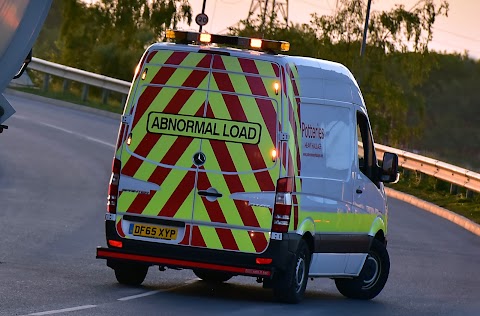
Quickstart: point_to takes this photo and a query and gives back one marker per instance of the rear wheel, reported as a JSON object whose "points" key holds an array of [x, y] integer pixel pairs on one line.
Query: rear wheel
{"points": [[213, 276], [372, 278], [131, 274], [289, 286]]}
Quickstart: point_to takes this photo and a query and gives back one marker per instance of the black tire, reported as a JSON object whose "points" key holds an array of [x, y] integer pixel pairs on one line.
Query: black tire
{"points": [[131, 274], [372, 278], [213, 276], [289, 286]]}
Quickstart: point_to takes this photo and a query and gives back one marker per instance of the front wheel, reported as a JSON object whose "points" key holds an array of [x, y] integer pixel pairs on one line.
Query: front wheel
{"points": [[372, 278], [131, 274], [289, 286]]}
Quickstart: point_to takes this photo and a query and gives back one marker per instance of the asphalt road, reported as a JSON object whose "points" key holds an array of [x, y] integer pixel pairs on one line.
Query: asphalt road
{"points": [[54, 169]]}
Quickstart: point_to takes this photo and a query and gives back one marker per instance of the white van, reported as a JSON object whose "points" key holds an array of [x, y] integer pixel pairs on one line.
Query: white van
{"points": [[245, 162]]}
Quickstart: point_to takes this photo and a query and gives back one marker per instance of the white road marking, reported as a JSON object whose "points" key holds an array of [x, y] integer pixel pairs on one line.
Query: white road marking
{"points": [[71, 309], [96, 140], [193, 280], [127, 298]]}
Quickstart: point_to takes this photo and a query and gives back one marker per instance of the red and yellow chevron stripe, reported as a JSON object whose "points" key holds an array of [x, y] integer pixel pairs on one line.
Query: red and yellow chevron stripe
{"points": [[214, 87]]}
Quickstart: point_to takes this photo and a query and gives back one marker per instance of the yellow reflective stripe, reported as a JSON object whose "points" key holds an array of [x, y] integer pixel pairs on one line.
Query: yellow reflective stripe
{"points": [[126, 199], [341, 222], [164, 145], [294, 72], [200, 213], [232, 64], [156, 154], [240, 159], [191, 106], [165, 95], [172, 181], [146, 169], [131, 96], [263, 215], [269, 85], [160, 57], [243, 240], [226, 203], [265, 68], [185, 210], [291, 143], [210, 237], [253, 114], [139, 84], [140, 131]]}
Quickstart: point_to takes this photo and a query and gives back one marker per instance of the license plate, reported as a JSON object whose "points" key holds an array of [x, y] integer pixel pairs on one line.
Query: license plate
{"points": [[152, 231]]}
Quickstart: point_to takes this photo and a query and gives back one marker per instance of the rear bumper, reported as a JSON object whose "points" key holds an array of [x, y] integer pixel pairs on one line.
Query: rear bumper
{"points": [[176, 256]]}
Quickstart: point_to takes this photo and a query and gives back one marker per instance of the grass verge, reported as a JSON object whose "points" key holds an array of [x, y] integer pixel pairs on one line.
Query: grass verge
{"points": [[92, 101], [438, 192]]}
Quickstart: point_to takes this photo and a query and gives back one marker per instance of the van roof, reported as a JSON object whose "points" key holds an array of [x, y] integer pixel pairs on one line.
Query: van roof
{"points": [[312, 71]]}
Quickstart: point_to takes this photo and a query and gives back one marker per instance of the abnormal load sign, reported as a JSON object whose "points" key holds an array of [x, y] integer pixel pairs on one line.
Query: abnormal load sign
{"points": [[204, 127]]}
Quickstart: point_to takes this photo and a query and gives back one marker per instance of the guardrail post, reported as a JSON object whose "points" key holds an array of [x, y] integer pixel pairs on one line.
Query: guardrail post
{"points": [[453, 189], [65, 85], [85, 92], [469, 194], [105, 94], [46, 79]]}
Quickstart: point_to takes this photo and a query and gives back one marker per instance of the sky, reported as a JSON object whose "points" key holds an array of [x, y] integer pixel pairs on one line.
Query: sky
{"points": [[459, 32]]}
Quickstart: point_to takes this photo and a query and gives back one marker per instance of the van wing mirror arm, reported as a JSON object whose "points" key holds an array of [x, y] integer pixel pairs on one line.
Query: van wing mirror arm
{"points": [[27, 60], [389, 170]]}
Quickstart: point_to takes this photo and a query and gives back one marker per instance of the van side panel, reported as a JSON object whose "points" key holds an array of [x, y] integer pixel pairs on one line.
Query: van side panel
{"points": [[292, 157], [327, 149]]}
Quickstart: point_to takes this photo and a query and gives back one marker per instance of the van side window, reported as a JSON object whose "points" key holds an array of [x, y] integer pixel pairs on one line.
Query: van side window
{"points": [[366, 153]]}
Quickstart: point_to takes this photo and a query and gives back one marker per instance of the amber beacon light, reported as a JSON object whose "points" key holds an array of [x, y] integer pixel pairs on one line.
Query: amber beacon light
{"points": [[184, 37]]}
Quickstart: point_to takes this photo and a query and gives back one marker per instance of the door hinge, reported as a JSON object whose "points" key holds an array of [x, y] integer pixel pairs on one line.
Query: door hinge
{"points": [[283, 137], [126, 119], [110, 217]]}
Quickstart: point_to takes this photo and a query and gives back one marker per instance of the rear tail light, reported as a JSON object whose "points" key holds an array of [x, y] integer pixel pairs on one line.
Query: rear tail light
{"points": [[283, 205], [113, 187], [115, 243], [263, 260]]}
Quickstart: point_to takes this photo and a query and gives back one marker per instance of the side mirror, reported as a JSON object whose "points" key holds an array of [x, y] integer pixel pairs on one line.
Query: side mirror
{"points": [[27, 61], [389, 172]]}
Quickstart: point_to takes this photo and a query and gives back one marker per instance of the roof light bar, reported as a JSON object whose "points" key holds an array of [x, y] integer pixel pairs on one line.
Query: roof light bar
{"points": [[255, 42], [184, 37], [205, 38]]}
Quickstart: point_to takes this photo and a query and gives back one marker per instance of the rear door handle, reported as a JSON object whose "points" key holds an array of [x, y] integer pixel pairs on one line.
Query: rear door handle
{"points": [[212, 193]]}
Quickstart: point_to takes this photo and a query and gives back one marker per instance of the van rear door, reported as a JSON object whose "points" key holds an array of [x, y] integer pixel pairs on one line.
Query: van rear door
{"points": [[236, 183], [158, 176]]}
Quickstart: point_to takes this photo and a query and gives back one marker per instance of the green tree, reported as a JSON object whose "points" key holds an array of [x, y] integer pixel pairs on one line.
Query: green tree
{"points": [[396, 63], [46, 43], [109, 36], [452, 131]]}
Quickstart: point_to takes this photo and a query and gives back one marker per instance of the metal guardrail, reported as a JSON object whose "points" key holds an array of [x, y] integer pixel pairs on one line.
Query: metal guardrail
{"points": [[435, 168], [81, 76]]}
